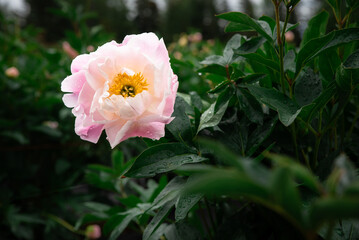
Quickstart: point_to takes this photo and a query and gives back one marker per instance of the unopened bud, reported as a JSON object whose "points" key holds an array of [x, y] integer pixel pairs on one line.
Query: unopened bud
{"points": [[93, 231]]}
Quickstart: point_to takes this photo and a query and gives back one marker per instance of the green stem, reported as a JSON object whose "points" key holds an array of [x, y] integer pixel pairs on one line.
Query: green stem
{"points": [[285, 25], [64, 223]]}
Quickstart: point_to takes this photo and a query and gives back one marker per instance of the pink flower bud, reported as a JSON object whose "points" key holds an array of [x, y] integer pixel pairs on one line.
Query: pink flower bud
{"points": [[93, 231], [12, 72], [72, 53], [289, 36]]}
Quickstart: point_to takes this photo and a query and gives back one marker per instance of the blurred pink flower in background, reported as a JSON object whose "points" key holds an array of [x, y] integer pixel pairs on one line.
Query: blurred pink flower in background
{"points": [[12, 72], [289, 37], [126, 89], [93, 231], [195, 37], [72, 53]]}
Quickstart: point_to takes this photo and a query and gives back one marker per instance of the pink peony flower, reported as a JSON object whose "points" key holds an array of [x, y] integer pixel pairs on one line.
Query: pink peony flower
{"points": [[128, 89], [93, 231]]}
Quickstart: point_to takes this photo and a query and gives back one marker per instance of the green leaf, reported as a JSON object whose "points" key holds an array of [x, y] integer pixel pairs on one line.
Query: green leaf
{"points": [[215, 69], [185, 202], [307, 87], [286, 108], [120, 221], [169, 192], [98, 207], [220, 87], [301, 173], [271, 22], [289, 61], [319, 45], [214, 59], [237, 27], [352, 62], [309, 112], [232, 44], [213, 115], [316, 27], [227, 182], [259, 135], [157, 219], [223, 153], [262, 60], [252, 78], [162, 158], [250, 46], [346, 78], [182, 231], [285, 193], [244, 19], [180, 127], [196, 100], [250, 106], [331, 209], [328, 63]]}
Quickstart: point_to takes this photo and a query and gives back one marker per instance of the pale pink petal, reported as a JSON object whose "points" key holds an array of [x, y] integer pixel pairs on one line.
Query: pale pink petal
{"points": [[94, 75], [116, 130], [73, 83], [170, 100], [90, 133], [70, 100], [119, 132], [79, 63], [85, 98]]}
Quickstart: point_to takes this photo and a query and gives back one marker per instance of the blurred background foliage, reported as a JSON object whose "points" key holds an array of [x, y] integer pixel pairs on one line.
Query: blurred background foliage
{"points": [[42, 160]]}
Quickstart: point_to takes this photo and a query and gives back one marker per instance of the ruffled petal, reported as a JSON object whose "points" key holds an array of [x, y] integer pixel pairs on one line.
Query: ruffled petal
{"points": [[74, 82], [79, 63]]}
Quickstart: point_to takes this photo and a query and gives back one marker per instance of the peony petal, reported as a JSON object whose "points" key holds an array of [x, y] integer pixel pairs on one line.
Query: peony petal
{"points": [[94, 75], [73, 83], [85, 98], [118, 132], [70, 100], [79, 63], [90, 133], [170, 100]]}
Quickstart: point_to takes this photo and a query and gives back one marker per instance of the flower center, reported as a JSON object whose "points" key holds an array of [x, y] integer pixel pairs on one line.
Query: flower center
{"points": [[128, 86]]}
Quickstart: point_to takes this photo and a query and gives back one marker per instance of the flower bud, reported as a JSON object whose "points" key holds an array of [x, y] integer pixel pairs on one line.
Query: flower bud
{"points": [[93, 231]]}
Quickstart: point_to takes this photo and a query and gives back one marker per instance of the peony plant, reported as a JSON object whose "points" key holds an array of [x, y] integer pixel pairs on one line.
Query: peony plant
{"points": [[270, 153]]}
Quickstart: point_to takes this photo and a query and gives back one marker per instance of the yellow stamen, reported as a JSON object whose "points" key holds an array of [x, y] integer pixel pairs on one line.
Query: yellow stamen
{"points": [[127, 86]]}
